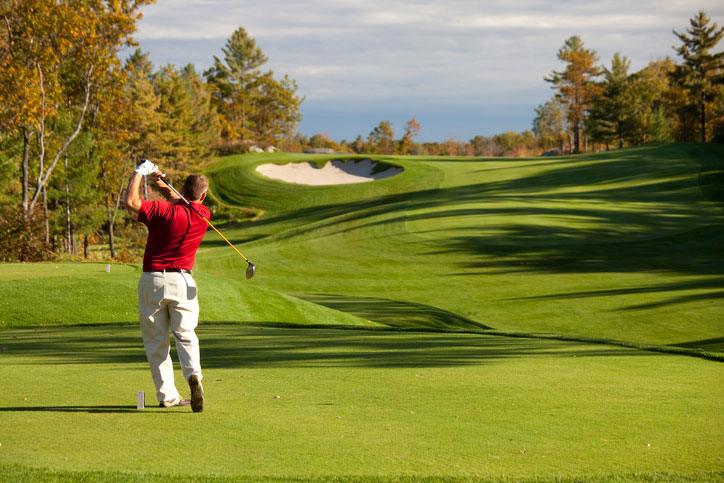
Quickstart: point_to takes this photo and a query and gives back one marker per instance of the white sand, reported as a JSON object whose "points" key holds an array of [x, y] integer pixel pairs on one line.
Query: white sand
{"points": [[334, 172]]}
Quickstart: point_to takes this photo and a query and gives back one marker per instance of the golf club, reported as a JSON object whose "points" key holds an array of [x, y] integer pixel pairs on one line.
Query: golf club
{"points": [[251, 268]]}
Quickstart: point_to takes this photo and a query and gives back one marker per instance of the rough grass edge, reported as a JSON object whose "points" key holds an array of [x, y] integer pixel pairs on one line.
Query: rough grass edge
{"points": [[20, 473]]}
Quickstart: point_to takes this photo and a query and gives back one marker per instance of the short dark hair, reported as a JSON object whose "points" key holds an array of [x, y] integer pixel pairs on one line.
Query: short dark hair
{"points": [[195, 186]]}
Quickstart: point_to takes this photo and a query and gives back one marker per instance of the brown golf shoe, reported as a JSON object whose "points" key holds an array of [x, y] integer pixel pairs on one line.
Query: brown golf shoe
{"points": [[197, 394]]}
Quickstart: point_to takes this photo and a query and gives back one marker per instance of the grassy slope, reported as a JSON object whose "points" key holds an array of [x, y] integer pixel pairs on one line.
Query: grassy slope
{"points": [[620, 245], [46, 294], [357, 403]]}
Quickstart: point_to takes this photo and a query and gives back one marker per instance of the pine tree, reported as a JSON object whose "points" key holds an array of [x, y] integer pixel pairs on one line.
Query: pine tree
{"points": [[275, 111], [702, 70], [206, 125], [174, 150], [609, 111], [254, 105], [143, 120], [233, 82]]}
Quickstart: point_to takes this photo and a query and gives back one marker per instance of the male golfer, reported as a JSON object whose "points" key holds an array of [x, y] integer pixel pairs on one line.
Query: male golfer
{"points": [[166, 291]]}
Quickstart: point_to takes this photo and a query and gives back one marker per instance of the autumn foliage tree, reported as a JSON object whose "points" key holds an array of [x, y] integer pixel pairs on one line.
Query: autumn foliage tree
{"points": [[549, 124], [412, 130], [382, 138], [575, 84], [54, 56], [74, 118]]}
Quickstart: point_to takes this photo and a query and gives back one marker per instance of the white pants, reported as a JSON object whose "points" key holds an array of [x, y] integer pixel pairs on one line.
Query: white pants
{"points": [[167, 303]]}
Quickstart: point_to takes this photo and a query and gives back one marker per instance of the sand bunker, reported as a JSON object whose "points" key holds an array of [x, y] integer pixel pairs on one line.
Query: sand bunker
{"points": [[334, 172]]}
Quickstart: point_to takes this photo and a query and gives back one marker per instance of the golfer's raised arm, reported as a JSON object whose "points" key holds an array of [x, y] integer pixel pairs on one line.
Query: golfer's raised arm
{"points": [[132, 200], [163, 188]]}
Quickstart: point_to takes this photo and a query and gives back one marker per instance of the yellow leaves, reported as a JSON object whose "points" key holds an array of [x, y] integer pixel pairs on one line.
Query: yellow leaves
{"points": [[62, 40]]}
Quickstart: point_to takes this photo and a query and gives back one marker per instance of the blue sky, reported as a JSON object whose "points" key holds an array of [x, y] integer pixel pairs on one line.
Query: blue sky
{"points": [[461, 68]]}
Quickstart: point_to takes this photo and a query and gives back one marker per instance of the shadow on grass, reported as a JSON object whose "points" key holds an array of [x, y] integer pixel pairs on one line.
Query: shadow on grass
{"points": [[694, 252], [585, 231], [395, 313], [74, 345], [212, 242], [716, 344], [661, 193], [235, 346], [72, 409], [293, 347], [669, 185], [707, 290]]}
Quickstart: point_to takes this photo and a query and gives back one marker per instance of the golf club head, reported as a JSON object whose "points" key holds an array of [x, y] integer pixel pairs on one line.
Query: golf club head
{"points": [[250, 270]]}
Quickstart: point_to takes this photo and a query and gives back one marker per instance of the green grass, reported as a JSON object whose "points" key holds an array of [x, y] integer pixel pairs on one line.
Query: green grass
{"points": [[467, 319], [619, 245], [361, 404], [45, 294]]}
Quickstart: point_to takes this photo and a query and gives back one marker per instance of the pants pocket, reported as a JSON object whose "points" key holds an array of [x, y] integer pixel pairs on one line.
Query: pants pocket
{"points": [[191, 290]]}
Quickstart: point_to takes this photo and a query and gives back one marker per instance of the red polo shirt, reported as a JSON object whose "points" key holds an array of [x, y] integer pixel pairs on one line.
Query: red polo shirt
{"points": [[174, 234]]}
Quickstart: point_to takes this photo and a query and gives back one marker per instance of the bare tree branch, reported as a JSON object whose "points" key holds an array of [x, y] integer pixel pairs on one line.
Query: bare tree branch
{"points": [[42, 182]]}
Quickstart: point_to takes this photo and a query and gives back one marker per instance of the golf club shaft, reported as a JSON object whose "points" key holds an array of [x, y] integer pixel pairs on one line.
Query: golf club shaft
{"points": [[204, 218]]}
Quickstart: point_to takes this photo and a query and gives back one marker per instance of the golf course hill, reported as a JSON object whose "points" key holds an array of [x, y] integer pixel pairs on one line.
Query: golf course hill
{"points": [[620, 245], [49, 294]]}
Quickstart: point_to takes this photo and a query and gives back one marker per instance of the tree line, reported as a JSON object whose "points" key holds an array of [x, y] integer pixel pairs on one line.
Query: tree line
{"points": [[596, 107], [381, 140], [75, 119]]}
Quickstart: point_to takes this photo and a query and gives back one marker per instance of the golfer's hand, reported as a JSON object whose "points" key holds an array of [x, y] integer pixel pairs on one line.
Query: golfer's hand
{"points": [[146, 168], [156, 177]]}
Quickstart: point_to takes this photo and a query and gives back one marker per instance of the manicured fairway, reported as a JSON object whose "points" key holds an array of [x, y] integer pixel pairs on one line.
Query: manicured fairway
{"points": [[359, 403], [621, 245]]}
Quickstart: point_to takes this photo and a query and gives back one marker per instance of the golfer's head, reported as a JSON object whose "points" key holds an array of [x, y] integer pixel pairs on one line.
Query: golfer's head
{"points": [[194, 188]]}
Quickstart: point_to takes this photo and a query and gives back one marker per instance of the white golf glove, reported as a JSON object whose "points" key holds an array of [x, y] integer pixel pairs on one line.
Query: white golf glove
{"points": [[146, 168]]}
